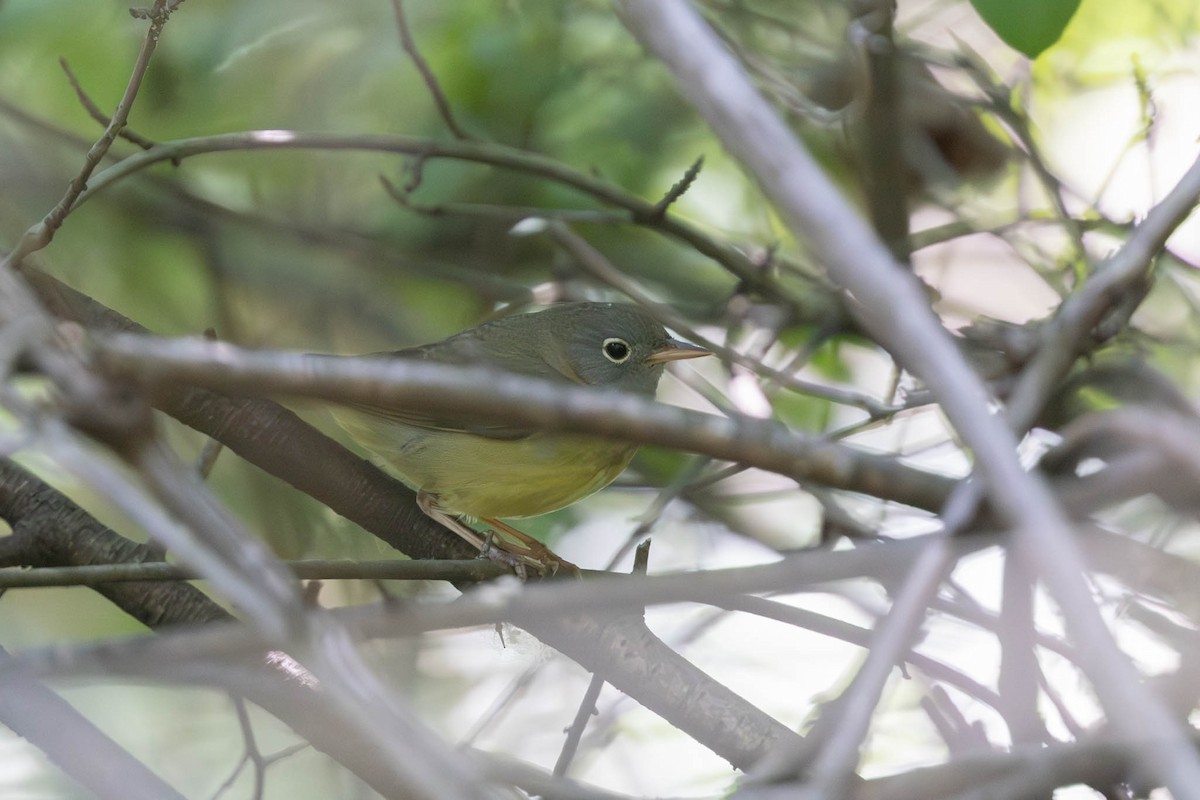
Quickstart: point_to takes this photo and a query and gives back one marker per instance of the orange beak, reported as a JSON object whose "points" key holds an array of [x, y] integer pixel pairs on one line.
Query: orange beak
{"points": [[676, 351]]}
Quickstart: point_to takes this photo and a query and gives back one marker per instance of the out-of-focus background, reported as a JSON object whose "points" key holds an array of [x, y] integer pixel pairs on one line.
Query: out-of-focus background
{"points": [[309, 250]]}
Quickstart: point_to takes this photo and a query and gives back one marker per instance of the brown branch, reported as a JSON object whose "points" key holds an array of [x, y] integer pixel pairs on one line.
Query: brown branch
{"points": [[629, 655], [42, 233], [50, 530], [431, 81], [814, 302], [680, 187], [465, 571], [279, 442], [882, 161], [518, 399]]}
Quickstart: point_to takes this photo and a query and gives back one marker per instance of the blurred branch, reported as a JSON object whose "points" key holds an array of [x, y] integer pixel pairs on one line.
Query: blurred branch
{"points": [[74, 744], [587, 705], [1003, 106], [401, 383], [598, 266], [630, 656], [279, 442], [1024, 772], [95, 113], [50, 530], [828, 758], [539, 783], [526, 604], [816, 301], [431, 81], [844, 631], [42, 233], [185, 516], [893, 306], [883, 176], [194, 526], [1069, 332]]}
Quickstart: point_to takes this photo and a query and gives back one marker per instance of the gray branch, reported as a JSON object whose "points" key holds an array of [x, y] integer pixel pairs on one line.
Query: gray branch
{"points": [[891, 303]]}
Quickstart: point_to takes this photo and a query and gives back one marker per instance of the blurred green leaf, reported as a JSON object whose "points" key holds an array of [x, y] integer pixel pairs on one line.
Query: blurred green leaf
{"points": [[1030, 26]]}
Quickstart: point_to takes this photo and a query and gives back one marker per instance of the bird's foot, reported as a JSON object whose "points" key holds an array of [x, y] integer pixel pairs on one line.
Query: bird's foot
{"points": [[530, 551], [502, 543], [490, 551]]}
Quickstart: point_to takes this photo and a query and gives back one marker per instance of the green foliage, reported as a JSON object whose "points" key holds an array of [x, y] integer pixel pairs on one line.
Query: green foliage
{"points": [[1030, 26]]}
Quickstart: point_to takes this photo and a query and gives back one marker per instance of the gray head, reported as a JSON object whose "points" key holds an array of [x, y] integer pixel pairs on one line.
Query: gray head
{"points": [[598, 344]]}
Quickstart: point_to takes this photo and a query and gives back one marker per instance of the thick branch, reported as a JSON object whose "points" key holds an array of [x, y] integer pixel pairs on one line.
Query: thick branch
{"points": [[281, 443], [893, 306], [75, 745], [454, 390]]}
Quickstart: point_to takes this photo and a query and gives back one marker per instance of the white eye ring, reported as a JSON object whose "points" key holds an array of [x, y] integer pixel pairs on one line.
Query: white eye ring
{"points": [[616, 350]]}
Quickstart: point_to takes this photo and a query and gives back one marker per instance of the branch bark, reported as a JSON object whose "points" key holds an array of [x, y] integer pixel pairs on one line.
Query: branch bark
{"points": [[633, 659], [891, 304]]}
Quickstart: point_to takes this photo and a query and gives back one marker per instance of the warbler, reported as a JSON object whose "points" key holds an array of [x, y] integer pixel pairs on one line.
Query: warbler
{"points": [[486, 472]]}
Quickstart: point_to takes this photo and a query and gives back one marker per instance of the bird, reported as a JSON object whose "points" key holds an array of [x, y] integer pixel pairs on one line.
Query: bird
{"points": [[467, 471]]}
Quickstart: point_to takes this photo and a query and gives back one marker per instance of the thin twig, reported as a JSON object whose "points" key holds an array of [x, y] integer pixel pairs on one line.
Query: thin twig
{"points": [[251, 754], [586, 710], [814, 302], [43, 232], [587, 705], [431, 81], [513, 602], [680, 187], [893, 306], [600, 267], [804, 619], [95, 113], [841, 738], [460, 571]]}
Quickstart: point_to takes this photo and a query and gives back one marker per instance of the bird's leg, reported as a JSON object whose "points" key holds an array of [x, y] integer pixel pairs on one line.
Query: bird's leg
{"points": [[534, 552], [428, 504], [509, 546], [491, 552]]}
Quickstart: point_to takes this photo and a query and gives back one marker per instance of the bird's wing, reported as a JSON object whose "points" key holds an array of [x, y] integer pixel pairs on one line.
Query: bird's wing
{"points": [[468, 349], [417, 419]]}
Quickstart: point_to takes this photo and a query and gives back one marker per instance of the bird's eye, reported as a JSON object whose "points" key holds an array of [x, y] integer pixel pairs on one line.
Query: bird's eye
{"points": [[616, 350]]}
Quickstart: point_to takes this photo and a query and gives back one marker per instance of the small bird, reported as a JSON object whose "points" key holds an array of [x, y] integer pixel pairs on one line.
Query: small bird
{"points": [[485, 472]]}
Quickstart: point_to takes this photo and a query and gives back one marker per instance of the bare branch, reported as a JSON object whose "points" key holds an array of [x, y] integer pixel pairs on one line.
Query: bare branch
{"points": [[462, 571], [520, 399], [74, 744], [893, 305], [41, 234], [815, 302], [431, 81], [95, 113]]}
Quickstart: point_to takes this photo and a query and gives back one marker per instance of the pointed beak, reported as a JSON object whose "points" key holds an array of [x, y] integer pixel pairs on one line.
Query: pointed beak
{"points": [[676, 351]]}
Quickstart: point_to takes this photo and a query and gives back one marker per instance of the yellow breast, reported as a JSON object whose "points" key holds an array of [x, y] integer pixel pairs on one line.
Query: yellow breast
{"points": [[484, 477]]}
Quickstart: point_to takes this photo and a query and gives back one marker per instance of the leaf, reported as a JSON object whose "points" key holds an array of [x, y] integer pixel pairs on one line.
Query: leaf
{"points": [[1030, 26]]}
